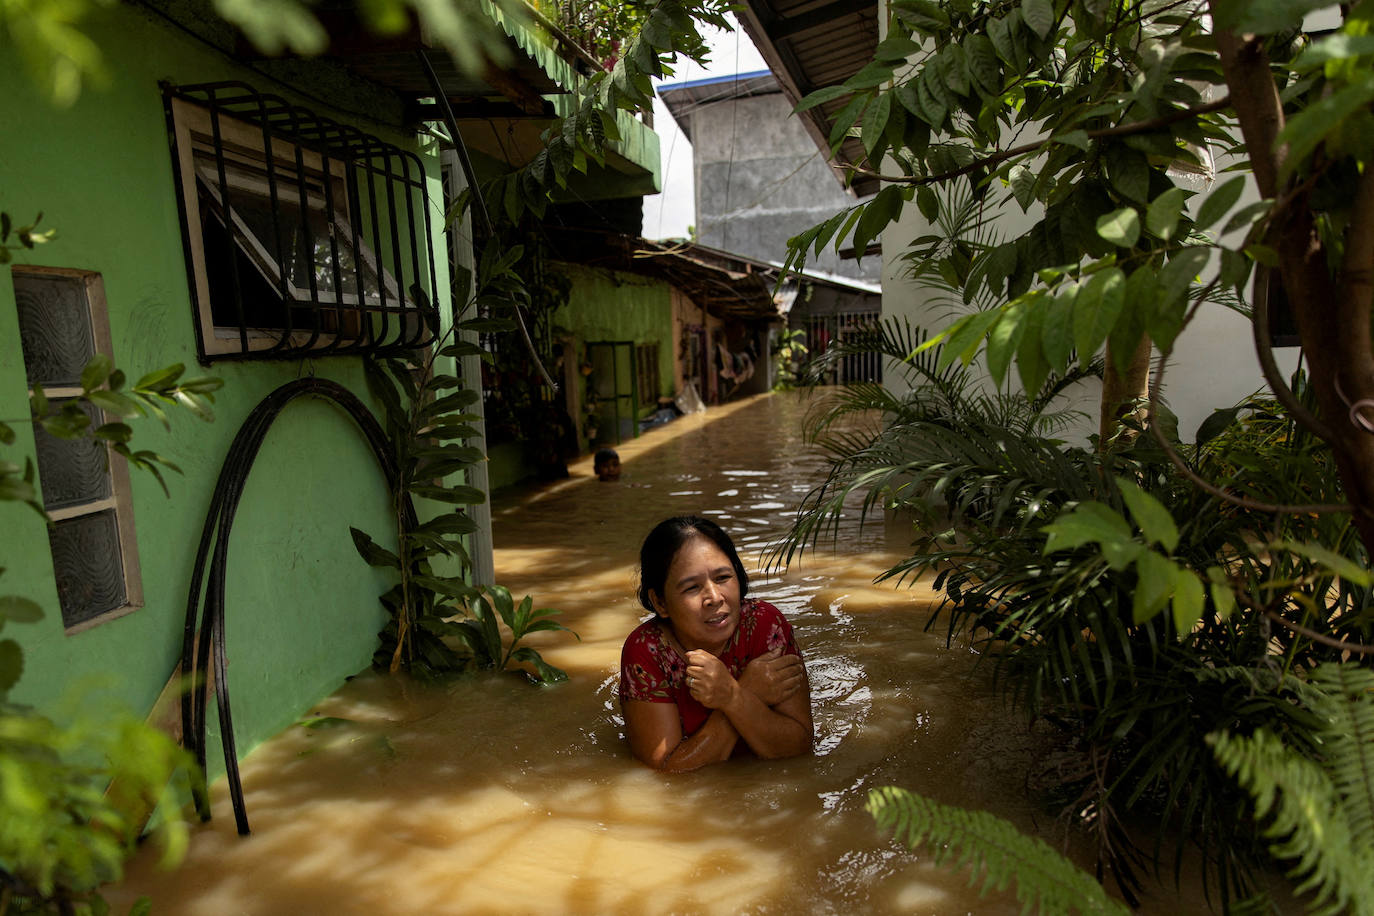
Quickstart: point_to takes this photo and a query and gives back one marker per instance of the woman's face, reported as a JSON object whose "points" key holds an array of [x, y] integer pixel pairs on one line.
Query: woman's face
{"points": [[700, 596]]}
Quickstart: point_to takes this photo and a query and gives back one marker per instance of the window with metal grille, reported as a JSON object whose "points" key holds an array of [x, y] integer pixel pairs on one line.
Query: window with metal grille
{"points": [[62, 324], [646, 369], [866, 366], [824, 330], [303, 236]]}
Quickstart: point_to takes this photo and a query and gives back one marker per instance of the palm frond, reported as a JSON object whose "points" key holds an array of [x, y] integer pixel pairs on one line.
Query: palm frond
{"points": [[993, 850]]}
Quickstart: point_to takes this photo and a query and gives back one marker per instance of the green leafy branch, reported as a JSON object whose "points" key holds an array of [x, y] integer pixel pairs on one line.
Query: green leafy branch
{"points": [[1165, 580], [75, 801], [29, 236], [582, 136], [947, 87], [77, 795], [103, 389], [994, 850], [1161, 580], [61, 56]]}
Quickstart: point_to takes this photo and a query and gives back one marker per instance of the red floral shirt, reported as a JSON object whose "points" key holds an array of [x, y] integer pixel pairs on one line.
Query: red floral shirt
{"points": [[651, 669]]}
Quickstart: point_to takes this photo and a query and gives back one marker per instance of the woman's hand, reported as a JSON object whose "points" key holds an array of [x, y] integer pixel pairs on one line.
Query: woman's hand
{"points": [[773, 677], [709, 681], [781, 730]]}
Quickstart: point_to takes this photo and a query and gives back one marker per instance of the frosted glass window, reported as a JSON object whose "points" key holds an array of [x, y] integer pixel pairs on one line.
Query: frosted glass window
{"points": [[89, 565], [62, 324], [73, 471], [54, 328]]}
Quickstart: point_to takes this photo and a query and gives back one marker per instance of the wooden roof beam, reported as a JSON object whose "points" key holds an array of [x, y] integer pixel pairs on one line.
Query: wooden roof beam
{"points": [[785, 27]]}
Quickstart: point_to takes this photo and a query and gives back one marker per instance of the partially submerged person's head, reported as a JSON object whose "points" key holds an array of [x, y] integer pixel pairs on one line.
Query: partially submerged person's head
{"points": [[606, 464], [662, 546]]}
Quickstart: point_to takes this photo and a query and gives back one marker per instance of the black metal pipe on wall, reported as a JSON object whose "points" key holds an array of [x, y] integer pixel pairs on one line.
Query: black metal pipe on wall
{"points": [[203, 635]]}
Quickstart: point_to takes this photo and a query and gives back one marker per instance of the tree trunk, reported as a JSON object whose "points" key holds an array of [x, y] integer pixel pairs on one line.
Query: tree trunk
{"points": [[1332, 312], [1123, 393]]}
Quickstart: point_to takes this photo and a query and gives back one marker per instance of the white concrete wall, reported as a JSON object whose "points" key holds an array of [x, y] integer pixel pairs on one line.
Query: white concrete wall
{"points": [[1213, 364]]}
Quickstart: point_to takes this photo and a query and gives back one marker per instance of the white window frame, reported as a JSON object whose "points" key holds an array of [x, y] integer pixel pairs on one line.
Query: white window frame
{"points": [[246, 144], [121, 492]]}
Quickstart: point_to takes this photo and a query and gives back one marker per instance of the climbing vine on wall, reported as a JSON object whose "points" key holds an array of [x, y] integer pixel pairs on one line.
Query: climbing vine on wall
{"points": [[439, 623]]}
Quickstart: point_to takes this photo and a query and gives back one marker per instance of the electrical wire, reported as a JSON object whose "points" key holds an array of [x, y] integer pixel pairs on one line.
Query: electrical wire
{"points": [[730, 163], [479, 199]]}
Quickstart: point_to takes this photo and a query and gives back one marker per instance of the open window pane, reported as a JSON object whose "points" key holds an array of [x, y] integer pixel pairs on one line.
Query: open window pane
{"points": [[89, 566], [303, 235], [318, 244]]}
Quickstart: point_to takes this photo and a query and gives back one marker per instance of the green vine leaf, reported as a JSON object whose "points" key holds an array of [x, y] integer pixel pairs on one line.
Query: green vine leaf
{"points": [[1154, 521], [1219, 202], [1120, 227], [1039, 15], [1161, 217], [19, 610], [1309, 127], [1087, 523], [821, 96], [370, 551], [11, 665], [1187, 602], [1156, 579]]}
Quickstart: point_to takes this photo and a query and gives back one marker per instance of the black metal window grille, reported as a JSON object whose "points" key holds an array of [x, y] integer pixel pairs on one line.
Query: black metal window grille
{"points": [[303, 236], [860, 367], [823, 330]]}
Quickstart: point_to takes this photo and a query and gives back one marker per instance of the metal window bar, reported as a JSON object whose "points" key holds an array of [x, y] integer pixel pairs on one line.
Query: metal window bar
{"points": [[646, 355], [824, 330], [372, 192], [859, 367]]}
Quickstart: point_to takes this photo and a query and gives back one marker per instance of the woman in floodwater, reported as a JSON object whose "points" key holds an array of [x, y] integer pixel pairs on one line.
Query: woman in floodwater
{"points": [[712, 672]]}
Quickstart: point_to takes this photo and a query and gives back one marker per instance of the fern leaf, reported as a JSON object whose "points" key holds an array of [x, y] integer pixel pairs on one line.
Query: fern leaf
{"points": [[1347, 703], [1307, 823], [993, 849]]}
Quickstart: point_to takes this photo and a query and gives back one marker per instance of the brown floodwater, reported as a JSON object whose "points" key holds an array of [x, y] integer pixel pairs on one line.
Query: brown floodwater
{"points": [[491, 796]]}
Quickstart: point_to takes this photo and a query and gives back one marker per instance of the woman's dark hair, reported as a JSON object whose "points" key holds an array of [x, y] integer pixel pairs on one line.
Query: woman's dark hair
{"points": [[663, 543]]}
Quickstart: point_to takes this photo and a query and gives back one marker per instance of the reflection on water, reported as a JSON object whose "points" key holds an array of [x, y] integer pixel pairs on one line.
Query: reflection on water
{"points": [[488, 796]]}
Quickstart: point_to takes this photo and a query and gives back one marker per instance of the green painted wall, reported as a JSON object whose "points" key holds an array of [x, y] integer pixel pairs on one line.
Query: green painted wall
{"points": [[602, 305], [302, 612], [508, 464], [611, 305]]}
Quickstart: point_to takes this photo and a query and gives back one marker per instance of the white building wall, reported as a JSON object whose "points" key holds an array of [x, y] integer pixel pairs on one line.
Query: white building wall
{"points": [[1213, 364]]}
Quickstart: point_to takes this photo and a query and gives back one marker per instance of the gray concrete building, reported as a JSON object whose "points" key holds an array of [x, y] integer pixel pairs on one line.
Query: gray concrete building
{"points": [[760, 178]]}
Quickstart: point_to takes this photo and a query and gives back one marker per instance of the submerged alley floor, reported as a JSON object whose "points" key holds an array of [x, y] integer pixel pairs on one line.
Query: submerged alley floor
{"points": [[487, 795]]}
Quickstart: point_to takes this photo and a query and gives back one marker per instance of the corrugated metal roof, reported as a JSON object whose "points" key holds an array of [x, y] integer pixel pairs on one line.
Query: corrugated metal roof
{"points": [[727, 285], [810, 44], [683, 98]]}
